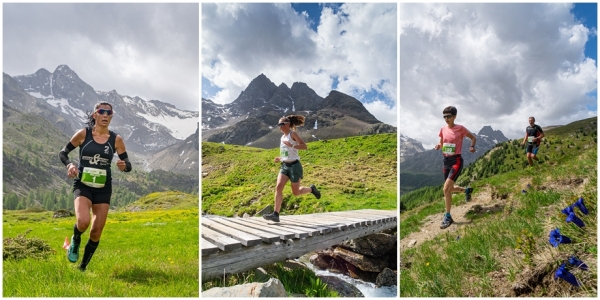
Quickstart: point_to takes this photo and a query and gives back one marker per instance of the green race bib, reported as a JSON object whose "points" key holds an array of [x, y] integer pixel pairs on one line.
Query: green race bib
{"points": [[449, 149], [93, 177], [530, 139], [283, 152]]}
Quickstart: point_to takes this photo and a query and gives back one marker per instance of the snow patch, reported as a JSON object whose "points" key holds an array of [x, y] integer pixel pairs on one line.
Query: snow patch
{"points": [[182, 152], [180, 128]]}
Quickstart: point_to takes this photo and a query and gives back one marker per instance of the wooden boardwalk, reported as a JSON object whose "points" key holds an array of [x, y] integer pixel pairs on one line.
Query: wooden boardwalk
{"points": [[233, 245]]}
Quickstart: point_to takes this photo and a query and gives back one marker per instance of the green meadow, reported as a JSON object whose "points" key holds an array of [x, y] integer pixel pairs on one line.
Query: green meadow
{"points": [[147, 253], [506, 252], [351, 173]]}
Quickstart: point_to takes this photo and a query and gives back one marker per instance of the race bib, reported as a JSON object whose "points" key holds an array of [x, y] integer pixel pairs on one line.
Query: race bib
{"points": [[530, 139], [93, 177], [449, 149], [283, 152]]}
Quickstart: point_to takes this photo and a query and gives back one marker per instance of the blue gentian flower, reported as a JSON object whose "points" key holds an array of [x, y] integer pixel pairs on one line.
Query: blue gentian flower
{"points": [[573, 218], [581, 207], [567, 210], [577, 263], [556, 238], [523, 191], [562, 272]]}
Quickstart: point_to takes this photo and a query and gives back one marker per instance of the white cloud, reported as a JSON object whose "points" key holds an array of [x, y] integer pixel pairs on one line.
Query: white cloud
{"points": [[139, 49], [355, 43], [497, 63]]}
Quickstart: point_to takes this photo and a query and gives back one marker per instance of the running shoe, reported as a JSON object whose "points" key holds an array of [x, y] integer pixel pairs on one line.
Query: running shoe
{"points": [[314, 191], [446, 222], [73, 251], [468, 192], [272, 217]]}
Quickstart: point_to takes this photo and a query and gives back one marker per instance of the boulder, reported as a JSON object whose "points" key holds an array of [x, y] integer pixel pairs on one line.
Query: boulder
{"points": [[62, 213], [363, 262], [343, 288], [271, 288], [387, 277], [377, 244], [321, 261]]}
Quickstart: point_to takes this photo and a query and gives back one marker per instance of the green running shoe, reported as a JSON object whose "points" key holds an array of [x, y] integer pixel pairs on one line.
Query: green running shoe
{"points": [[73, 252]]}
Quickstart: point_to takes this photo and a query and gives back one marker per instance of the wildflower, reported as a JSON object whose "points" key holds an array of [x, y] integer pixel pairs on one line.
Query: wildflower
{"points": [[567, 210], [556, 238], [564, 274], [577, 263], [573, 218], [427, 264], [580, 205], [523, 191]]}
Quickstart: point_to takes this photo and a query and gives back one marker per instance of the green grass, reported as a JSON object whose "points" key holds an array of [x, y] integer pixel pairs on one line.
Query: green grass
{"points": [[142, 254], [351, 173], [514, 240], [296, 281]]}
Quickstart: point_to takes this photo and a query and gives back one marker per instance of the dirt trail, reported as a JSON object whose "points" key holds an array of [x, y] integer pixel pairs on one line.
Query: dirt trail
{"points": [[431, 227]]}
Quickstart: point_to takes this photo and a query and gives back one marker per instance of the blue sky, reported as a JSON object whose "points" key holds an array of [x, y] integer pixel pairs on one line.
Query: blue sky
{"points": [[326, 46], [586, 13]]}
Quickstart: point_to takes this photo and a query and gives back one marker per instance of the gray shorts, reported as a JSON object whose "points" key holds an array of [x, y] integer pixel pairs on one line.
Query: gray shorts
{"points": [[292, 170]]}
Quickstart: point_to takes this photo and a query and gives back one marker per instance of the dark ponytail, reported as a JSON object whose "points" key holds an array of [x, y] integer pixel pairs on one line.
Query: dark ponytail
{"points": [[90, 115], [295, 120]]}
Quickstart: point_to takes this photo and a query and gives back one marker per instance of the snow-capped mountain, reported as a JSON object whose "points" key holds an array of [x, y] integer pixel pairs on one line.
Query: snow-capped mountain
{"points": [[250, 118], [409, 146], [145, 125]]}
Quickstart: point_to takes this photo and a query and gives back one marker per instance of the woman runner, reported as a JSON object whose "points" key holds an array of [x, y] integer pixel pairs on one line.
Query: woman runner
{"points": [[92, 187], [291, 168]]}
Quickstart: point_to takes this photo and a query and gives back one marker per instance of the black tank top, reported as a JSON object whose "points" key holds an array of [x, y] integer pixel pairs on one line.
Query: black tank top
{"points": [[94, 155]]}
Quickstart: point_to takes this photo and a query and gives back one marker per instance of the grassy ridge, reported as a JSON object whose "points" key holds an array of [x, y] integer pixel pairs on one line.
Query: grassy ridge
{"points": [[141, 254], [502, 249], [351, 173]]}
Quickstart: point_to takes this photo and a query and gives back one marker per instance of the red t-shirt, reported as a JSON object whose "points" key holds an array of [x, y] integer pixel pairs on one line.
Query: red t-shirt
{"points": [[452, 139]]}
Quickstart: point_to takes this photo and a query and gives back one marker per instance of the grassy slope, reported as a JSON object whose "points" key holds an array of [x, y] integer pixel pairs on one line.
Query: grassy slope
{"points": [[449, 267], [141, 254], [351, 173]]}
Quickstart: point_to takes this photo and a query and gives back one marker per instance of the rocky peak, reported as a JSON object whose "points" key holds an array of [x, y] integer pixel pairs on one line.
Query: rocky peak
{"points": [[348, 105], [487, 131]]}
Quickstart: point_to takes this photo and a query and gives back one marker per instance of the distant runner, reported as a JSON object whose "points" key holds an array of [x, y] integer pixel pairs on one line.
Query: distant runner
{"points": [[92, 187], [291, 168], [451, 138], [533, 137]]}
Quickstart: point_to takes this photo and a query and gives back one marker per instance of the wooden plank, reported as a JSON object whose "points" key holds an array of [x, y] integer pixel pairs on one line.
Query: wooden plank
{"points": [[312, 227], [246, 239], [327, 220], [369, 219], [386, 215], [323, 229], [208, 248], [267, 237], [335, 227], [283, 234], [350, 222], [224, 242], [299, 234]]}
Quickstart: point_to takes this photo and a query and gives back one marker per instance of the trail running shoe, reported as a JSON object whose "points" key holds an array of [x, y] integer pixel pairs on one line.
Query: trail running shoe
{"points": [[73, 251], [314, 191], [272, 217], [468, 192], [446, 222]]}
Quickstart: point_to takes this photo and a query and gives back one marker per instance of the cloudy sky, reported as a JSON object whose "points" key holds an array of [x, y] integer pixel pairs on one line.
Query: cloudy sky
{"points": [[498, 64], [145, 50], [348, 47]]}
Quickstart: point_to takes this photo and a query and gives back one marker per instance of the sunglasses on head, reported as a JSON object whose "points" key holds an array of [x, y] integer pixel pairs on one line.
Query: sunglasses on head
{"points": [[102, 111], [448, 116]]}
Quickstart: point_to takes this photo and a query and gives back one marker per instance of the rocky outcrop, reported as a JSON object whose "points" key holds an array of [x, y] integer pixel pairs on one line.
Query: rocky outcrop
{"points": [[343, 288], [371, 258], [271, 288], [387, 277], [62, 213]]}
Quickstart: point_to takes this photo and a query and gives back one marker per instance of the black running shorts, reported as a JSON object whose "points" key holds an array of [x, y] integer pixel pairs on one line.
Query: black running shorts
{"points": [[452, 167], [95, 195]]}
